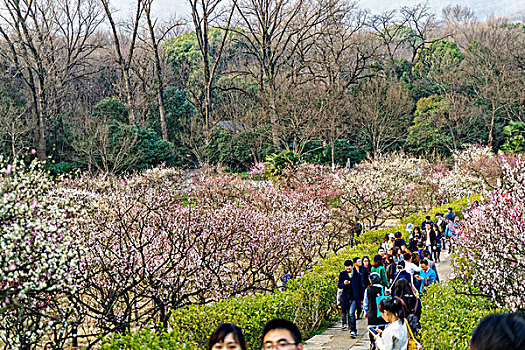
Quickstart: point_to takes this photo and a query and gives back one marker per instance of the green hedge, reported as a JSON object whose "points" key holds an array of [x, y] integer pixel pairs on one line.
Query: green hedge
{"points": [[449, 317], [309, 301]]}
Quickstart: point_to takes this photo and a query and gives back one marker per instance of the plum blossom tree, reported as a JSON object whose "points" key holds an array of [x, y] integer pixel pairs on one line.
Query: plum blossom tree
{"points": [[40, 259], [155, 247], [492, 240]]}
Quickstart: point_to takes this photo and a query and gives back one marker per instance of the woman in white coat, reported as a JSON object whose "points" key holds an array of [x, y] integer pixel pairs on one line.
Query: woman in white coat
{"points": [[395, 335]]}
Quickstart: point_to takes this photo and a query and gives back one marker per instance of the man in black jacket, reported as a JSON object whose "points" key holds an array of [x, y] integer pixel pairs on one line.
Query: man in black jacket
{"points": [[351, 282]]}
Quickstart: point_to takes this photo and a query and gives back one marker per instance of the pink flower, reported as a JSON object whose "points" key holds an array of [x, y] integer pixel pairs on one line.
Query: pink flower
{"points": [[11, 267], [33, 151]]}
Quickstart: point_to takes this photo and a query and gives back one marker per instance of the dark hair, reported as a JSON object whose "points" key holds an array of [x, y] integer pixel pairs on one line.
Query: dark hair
{"points": [[349, 263], [426, 253], [365, 257], [380, 248], [424, 262], [355, 259], [420, 245], [407, 256], [395, 306], [427, 217], [279, 323], [222, 331], [397, 234], [378, 261], [402, 288], [450, 209], [385, 239], [418, 230], [500, 332], [415, 258]]}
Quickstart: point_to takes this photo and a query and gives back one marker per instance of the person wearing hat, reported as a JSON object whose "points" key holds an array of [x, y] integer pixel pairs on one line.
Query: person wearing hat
{"points": [[370, 303]]}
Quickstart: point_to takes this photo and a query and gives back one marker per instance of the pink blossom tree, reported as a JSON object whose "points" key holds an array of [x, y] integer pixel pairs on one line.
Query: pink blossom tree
{"points": [[492, 240]]}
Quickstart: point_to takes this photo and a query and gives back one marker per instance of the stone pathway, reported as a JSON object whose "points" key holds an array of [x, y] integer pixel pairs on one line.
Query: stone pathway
{"points": [[336, 339]]}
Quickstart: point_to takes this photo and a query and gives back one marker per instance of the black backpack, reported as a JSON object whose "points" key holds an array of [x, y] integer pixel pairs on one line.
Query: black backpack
{"points": [[412, 319]]}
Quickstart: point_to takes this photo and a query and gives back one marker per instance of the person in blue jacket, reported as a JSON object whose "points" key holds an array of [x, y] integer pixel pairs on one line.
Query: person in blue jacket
{"points": [[427, 276], [351, 282]]}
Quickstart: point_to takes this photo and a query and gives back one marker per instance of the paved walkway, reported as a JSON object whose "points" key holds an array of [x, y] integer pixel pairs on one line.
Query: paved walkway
{"points": [[336, 339]]}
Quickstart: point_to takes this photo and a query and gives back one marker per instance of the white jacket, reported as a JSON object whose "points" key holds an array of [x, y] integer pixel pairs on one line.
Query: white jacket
{"points": [[394, 337]]}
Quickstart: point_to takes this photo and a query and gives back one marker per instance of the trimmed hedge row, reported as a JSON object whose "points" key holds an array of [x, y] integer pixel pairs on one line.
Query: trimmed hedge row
{"points": [[451, 312], [308, 302]]}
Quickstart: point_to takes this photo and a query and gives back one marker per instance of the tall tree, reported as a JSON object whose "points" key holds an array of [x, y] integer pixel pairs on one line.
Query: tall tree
{"points": [[273, 32], [124, 58], [205, 15], [48, 44], [155, 38]]}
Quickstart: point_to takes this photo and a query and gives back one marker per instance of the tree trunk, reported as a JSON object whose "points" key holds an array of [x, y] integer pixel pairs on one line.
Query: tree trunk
{"points": [[274, 121], [492, 121], [129, 96], [158, 75], [41, 143]]}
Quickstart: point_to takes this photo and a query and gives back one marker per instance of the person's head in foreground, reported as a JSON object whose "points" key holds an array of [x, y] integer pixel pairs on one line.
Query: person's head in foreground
{"points": [[393, 309], [227, 336], [281, 334], [500, 332]]}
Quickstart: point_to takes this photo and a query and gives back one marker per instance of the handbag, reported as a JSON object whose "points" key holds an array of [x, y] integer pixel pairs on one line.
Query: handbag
{"points": [[413, 344], [379, 299]]}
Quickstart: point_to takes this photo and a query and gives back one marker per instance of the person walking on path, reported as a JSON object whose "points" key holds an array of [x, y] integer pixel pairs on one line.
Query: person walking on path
{"points": [[351, 282], [366, 282], [450, 216], [438, 243], [370, 304], [395, 335], [427, 276], [377, 267], [431, 264], [450, 233], [430, 237]]}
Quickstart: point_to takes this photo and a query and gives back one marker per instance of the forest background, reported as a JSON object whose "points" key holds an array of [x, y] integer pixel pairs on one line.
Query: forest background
{"points": [[245, 79]]}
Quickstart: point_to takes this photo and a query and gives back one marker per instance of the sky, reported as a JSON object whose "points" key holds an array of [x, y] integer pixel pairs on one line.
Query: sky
{"points": [[180, 8]]}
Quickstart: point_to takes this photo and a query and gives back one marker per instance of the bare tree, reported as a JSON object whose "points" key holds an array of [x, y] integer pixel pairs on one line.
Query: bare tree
{"points": [[381, 113], [404, 35], [104, 145], [124, 58], [15, 124], [204, 14], [156, 34], [48, 43], [273, 32]]}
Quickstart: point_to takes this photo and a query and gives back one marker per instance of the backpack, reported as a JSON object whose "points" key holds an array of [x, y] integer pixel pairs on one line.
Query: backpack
{"points": [[379, 298], [412, 319]]}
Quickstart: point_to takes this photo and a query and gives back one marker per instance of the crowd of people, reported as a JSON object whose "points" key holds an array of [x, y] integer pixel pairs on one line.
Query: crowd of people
{"points": [[387, 288], [494, 332]]}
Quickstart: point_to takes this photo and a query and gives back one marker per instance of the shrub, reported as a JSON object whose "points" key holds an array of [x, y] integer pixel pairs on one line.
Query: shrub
{"points": [[152, 150], [449, 317]]}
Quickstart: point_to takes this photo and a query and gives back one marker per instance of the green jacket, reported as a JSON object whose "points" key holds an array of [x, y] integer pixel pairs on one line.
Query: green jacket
{"points": [[382, 273]]}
